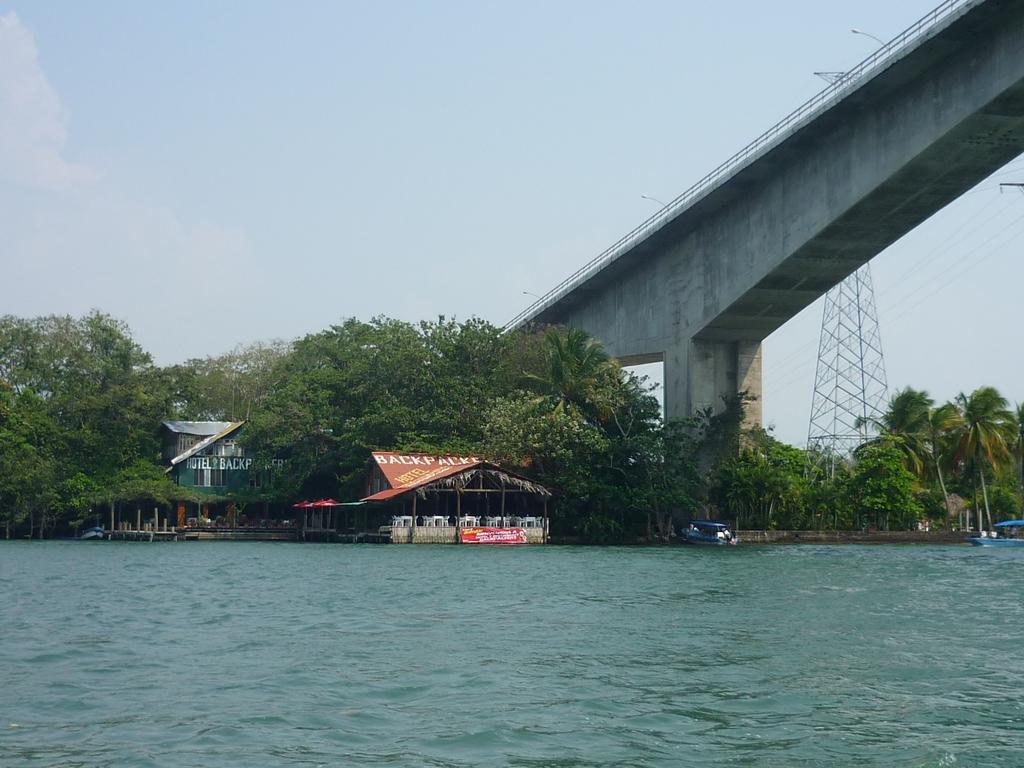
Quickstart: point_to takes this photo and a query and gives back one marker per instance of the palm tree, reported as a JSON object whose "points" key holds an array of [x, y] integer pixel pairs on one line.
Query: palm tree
{"points": [[579, 375], [942, 421], [985, 434], [1018, 445], [907, 418]]}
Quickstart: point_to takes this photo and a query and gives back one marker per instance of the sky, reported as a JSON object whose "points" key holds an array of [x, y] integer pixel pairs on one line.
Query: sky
{"points": [[217, 173]]}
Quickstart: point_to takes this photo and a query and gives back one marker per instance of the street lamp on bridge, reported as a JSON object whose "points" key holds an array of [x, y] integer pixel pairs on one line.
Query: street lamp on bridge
{"points": [[878, 40], [654, 200]]}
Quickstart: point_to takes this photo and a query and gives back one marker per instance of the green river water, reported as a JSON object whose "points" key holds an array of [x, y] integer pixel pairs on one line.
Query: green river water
{"points": [[225, 654]]}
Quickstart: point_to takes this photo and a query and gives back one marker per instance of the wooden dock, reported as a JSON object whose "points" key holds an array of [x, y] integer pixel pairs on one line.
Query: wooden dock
{"points": [[134, 535], [239, 534], [321, 535]]}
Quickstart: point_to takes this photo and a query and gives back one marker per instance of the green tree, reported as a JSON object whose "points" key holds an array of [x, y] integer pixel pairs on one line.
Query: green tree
{"points": [[906, 418], [385, 384], [228, 387], [92, 401], [1018, 445], [29, 445], [595, 433], [577, 374], [985, 432], [942, 423], [883, 487], [556, 446], [764, 486]]}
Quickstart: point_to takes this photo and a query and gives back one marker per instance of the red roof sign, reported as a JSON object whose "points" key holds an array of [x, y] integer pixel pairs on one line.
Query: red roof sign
{"points": [[404, 471]]}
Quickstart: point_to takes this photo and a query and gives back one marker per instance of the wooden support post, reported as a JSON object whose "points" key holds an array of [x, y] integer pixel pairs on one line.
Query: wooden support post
{"points": [[458, 515], [544, 535], [412, 528], [112, 524], [156, 518], [502, 503], [138, 519]]}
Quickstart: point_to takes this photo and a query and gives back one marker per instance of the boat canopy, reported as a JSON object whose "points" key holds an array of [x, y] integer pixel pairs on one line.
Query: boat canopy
{"points": [[1010, 524], [709, 524]]}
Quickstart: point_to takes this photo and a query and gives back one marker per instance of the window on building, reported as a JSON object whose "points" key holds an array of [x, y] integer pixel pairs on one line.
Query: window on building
{"points": [[217, 477], [201, 478], [227, 448], [255, 479]]}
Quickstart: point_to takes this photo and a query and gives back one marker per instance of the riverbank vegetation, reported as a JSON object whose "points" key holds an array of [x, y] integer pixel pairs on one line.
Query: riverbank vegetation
{"points": [[81, 403]]}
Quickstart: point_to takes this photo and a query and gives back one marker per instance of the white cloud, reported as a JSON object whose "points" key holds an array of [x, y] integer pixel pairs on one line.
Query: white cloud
{"points": [[33, 122], [97, 245]]}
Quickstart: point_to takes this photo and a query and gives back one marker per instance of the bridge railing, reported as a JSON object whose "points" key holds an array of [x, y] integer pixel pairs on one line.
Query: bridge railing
{"points": [[787, 126]]}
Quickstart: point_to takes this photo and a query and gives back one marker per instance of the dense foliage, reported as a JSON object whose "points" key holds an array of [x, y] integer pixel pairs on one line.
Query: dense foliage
{"points": [[81, 404]]}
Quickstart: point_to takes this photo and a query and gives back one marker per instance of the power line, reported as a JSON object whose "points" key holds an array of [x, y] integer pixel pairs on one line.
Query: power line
{"points": [[950, 246], [796, 372]]}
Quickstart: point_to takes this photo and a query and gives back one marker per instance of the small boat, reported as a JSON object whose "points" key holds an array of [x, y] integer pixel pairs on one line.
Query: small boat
{"points": [[708, 532], [89, 534], [1010, 533]]}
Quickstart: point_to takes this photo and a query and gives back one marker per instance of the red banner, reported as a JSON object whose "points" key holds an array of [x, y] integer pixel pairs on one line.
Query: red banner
{"points": [[493, 535]]}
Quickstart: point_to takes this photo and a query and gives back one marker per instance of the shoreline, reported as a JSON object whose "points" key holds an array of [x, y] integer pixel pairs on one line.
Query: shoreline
{"points": [[853, 537], [758, 537], [751, 537]]}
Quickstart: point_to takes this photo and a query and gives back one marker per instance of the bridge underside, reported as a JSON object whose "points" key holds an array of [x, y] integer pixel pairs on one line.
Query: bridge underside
{"points": [[704, 290]]}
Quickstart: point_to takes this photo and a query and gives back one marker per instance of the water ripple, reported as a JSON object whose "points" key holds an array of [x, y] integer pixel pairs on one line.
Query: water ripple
{"points": [[315, 655]]}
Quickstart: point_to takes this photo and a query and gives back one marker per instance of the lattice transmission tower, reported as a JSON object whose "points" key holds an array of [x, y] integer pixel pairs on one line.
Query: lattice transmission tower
{"points": [[849, 385]]}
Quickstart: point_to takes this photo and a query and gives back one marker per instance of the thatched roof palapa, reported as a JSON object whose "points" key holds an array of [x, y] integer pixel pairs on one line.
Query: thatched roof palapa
{"points": [[491, 471]]}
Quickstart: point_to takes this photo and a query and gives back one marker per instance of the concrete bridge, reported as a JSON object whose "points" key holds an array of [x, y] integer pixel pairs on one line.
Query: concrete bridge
{"points": [[701, 283]]}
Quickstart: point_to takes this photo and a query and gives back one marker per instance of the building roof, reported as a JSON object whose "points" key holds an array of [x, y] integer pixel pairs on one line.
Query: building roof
{"points": [[205, 428], [411, 470], [230, 426], [405, 472]]}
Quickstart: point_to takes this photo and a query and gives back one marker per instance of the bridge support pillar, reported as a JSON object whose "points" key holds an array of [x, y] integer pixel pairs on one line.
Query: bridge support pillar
{"points": [[700, 373], [748, 366]]}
